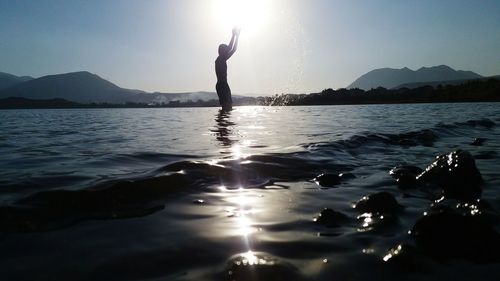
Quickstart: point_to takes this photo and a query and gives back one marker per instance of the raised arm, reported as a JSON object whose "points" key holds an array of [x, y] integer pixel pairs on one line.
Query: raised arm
{"points": [[233, 44]]}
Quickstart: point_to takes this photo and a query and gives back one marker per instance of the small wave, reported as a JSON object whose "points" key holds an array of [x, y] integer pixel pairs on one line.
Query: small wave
{"points": [[485, 123], [152, 157], [49, 210], [424, 137]]}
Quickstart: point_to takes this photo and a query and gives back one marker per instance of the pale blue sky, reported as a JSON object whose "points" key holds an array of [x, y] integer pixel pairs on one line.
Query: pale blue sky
{"points": [[305, 45]]}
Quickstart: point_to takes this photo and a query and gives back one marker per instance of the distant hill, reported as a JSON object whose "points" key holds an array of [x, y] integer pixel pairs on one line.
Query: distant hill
{"points": [[8, 80], [479, 90], [85, 87], [390, 78]]}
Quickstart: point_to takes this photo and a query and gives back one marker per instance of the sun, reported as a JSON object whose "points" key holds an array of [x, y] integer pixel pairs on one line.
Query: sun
{"points": [[250, 15]]}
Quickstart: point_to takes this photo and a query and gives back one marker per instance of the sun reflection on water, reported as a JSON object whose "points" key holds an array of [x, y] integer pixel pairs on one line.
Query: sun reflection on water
{"points": [[236, 140], [250, 258], [245, 226], [243, 212], [237, 152], [241, 202]]}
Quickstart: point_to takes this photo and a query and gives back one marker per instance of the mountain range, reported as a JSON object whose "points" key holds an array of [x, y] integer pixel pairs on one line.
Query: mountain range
{"points": [[390, 78], [85, 87], [7, 80]]}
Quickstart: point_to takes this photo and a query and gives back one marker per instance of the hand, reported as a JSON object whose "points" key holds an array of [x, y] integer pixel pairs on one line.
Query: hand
{"points": [[236, 31]]}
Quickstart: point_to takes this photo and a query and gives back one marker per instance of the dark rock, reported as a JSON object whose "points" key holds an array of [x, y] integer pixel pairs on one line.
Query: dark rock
{"points": [[478, 141], [405, 257], [259, 266], [400, 170], [405, 176], [328, 180], [406, 181], [382, 202], [330, 218], [478, 208], [447, 234], [395, 252], [470, 209], [376, 221], [456, 173]]}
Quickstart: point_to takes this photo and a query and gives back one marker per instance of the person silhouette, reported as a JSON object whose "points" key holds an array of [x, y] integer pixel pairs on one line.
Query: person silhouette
{"points": [[222, 88]]}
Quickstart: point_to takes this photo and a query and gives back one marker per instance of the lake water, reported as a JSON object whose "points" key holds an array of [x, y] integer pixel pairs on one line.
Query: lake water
{"points": [[195, 194]]}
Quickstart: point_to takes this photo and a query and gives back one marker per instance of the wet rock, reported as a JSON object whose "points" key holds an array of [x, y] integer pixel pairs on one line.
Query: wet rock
{"points": [[470, 209], [480, 204], [478, 141], [456, 173], [328, 180], [375, 221], [330, 218], [478, 208], [401, 170], [405, 176], [381, 202], [447, 234], [405, 257], [256, 266]]}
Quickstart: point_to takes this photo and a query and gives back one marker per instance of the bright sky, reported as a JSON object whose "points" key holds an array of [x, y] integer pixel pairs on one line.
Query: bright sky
{"points": [[292, 46]]}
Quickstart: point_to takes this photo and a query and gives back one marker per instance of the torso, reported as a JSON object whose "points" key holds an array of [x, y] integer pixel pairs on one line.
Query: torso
{"points": [[221, 69]]}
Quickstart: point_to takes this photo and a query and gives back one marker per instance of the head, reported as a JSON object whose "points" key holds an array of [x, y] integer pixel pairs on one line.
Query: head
{"points": [[223, 49]]}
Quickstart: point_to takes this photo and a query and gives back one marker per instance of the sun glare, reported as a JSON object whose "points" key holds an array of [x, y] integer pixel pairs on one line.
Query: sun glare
{"points": [[250, 15]]}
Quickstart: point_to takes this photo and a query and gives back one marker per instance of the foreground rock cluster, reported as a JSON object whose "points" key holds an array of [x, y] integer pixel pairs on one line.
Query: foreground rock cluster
{"points": [[457, 225]]}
